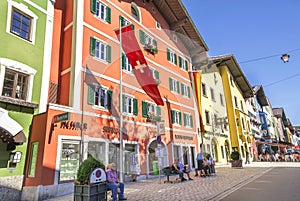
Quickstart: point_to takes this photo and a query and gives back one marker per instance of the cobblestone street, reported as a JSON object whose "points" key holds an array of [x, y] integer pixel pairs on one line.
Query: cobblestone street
{"points": [[226, 180]]}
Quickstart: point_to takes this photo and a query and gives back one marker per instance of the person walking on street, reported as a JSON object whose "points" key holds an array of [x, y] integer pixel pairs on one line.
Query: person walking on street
{"points": [[133, 165], [200, 163]]}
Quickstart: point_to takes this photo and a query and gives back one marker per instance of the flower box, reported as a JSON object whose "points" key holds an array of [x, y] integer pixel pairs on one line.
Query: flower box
{"points": [[92, 192]]}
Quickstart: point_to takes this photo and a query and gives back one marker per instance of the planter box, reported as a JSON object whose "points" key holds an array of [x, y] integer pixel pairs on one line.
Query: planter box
{"points": [[92, 192], [237, 163]]}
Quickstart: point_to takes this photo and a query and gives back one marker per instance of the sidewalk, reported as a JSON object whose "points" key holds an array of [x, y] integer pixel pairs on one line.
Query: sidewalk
{"points": [[208, 188]]}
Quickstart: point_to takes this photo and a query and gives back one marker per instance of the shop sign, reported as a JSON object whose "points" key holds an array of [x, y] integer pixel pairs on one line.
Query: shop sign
{"points": [[107, 129], [72, 125], [183, 137], [61, 117]]}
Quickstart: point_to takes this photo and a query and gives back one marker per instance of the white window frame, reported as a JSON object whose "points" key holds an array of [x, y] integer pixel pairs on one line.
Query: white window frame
{"points": [[175, 86], [100, 5], [207, 117], [99, 53], [24, 9], [18, 67], [185, 91], [172, 57], [177, 117], [204, 90], [153, 73], [127, 65], [187, 119], [103, 90], [128, 104], [152, 108]]}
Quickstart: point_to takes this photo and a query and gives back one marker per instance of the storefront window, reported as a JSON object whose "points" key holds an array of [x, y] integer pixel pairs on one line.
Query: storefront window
{"points": [[69, 162], [97, 150]]}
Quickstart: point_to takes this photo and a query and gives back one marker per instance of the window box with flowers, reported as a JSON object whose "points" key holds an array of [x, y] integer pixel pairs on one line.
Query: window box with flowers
{"points": [[150, 48]]}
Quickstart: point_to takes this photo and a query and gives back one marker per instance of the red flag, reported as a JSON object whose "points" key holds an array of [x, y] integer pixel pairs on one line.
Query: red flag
{"points": [[139, 64]]}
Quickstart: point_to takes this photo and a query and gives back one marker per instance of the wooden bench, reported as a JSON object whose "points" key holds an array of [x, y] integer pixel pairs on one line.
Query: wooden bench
{"points": [[168, 171]]}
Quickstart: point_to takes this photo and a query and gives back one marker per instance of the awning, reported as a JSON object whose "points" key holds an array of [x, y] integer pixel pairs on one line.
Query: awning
{"points": [[280, 144], [10, 130]]}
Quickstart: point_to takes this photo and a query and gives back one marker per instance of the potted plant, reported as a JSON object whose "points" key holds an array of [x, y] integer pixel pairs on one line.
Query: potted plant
{"points": [[83, 188], [236, 160]]}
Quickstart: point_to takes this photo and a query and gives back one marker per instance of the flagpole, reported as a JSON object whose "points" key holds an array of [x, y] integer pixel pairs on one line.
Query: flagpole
{"points": [[121, 108]]}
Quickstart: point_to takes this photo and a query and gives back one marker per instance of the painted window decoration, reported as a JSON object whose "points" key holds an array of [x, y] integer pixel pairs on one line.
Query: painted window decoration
{"points": [[188, 120], [130, 105], [69, 161], [185, 90], [171, 56], [99, 96], [176, 117], [150, 44], [33, 159], [15, 84], [126, 66], [174, 85], [100, 50], [101, 11], [151, 111], [183, 64]]}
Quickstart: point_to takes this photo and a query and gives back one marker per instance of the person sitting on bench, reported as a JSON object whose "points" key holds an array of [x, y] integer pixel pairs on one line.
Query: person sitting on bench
{"points": [[181, 169]]}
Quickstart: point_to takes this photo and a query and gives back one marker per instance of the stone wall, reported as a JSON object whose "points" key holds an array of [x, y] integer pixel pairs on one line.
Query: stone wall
{"points": [[11, 187]]}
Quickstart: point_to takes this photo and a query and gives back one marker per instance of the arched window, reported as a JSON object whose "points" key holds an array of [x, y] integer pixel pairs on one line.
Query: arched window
{"points": [[135, 11]]}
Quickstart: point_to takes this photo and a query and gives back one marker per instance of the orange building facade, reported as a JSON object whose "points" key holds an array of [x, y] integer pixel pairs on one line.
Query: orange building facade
{"points": [[83, 114]]}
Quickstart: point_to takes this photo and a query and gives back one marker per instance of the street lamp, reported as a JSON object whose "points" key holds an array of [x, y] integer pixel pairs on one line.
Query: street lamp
{"points": [[285, 58]]}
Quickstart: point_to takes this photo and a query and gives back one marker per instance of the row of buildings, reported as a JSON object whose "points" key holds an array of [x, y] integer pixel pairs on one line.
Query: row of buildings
{"points": [[64, 79]]}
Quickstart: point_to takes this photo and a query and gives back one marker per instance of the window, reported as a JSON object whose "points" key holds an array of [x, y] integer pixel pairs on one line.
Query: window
{"points": [[212, 94], [176, 117], [242, 108], [21, 21], [33, 159], [207, 117], [221, 99], [149, 109], [15, 85], [97, 150], [236, 102], [149, 43], [130, 105], [135, 13], [183, 64], [204, 93], [231, 81], [185, 90], [101, 11], [124, 22], [99, 96], [188, 120], [100, 50], [126, 66], [174, 85], [158, 26], [171, 56], [175, 38]]}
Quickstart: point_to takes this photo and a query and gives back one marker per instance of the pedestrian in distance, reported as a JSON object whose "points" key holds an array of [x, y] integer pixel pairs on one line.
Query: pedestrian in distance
{"points": [[247, 158], [133, 165], [200, 170]]}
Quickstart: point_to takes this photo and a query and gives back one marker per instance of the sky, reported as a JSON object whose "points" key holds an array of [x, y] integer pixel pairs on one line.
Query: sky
{"points": [[251, 30]]}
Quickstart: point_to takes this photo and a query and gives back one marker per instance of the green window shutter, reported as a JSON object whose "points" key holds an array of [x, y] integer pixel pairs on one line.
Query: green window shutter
{"points": [[135, 106], [108, 14], [154, 42], [109, 99], [182, 88], [132, 26], [121, 18], [142, 37], [123, 60], [144, 109], [93, 6], [178, 87], [92, 46], [175, 57], [91, 94], [108, 53], [158, 110], [184, 119], [191, 119], [186, 65], [180, 61], [156, 73], [168, 54], [171, 84], [189, 92], [180, 120], [173, 116]]}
